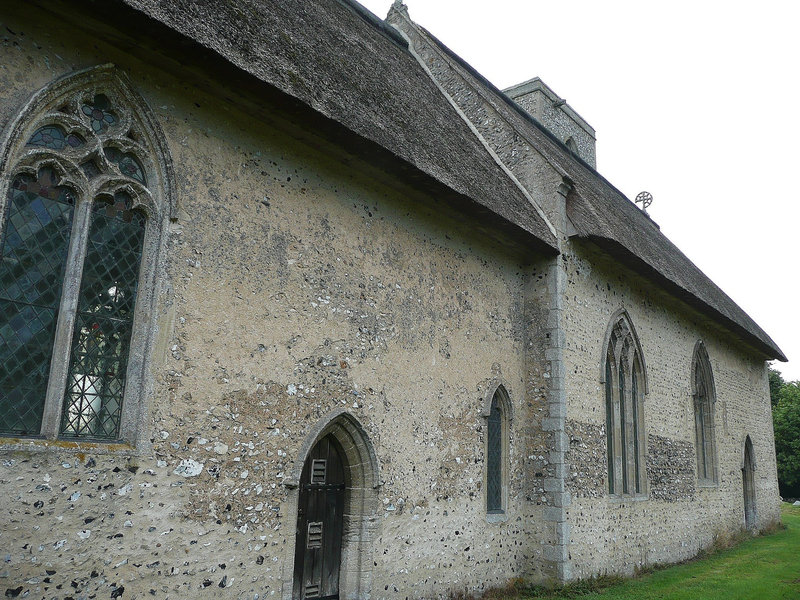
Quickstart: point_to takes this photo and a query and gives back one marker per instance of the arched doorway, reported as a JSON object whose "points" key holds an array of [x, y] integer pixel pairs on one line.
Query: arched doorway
{"points": [[318, 547], [748, 484], [349, 519]]}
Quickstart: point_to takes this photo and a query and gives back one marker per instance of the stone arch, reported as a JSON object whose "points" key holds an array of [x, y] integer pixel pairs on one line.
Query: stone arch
{"points": [[700, 359], [620, 322], [50, 106], [704, 404], [748, 441], [362, 480], [623, 375], [500, 387], [497, 449], [121, 152]]}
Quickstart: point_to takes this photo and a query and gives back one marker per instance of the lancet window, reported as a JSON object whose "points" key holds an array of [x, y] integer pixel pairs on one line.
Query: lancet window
{"points": [[624, 387], [704, 400], [497, 421]]}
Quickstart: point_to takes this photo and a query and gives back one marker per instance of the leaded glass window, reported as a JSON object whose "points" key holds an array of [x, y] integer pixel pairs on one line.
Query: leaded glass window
{"points": [[703, 392], [494, 460], [623, 429], [54, 138], [73, 229], [497, 433], [100, 114], [35, 243], [126, 162], [623, 379], [635, 403], [96, 381]]}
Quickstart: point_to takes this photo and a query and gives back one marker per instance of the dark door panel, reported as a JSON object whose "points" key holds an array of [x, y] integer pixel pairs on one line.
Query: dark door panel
{"points": [[319, 523]]}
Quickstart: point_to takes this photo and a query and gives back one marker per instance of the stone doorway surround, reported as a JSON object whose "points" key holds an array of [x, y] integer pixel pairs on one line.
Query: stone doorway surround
{"points": [[361, 521]]}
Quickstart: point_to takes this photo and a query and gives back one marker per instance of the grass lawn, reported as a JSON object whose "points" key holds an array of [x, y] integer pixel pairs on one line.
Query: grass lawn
{"points": [[762, 568]]}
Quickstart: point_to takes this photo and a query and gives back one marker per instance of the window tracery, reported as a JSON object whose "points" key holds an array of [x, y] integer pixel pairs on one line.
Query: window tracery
{"points": [[82, 220], [625, 387], [704, 399]]}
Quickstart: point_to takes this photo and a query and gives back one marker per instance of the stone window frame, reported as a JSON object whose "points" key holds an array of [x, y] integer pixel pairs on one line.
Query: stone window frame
{"points": [[749, 468], [622, 365], [704, 398], [572, 145], [138, 133], [500, 390]]}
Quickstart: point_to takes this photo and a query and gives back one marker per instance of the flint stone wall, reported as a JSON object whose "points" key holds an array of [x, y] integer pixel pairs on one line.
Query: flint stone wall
{"points": [[297, 282], [677, 516]]}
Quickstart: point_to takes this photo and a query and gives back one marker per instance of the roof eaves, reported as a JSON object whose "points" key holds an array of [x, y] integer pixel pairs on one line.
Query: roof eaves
{"points": [[477, 189], [762, 342]]}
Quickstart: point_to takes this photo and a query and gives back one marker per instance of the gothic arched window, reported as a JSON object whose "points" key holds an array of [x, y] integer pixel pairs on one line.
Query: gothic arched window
{"points": [[82, 213], [704, 399], [497, 422], [624, 379]]}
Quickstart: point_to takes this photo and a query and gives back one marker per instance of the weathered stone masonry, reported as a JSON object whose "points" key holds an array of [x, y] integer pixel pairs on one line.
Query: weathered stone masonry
{"points": [[605, 534], [329, 270]]}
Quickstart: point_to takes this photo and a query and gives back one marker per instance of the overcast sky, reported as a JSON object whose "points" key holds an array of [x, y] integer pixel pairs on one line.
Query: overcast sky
{"points": [[694, 101]]}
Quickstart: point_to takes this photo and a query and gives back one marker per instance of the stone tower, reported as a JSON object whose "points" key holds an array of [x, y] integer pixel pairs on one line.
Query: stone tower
{"points": [[558, 117]]}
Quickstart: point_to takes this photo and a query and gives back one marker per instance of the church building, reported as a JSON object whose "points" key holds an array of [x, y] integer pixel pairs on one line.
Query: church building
{"points": [[294, 303]]}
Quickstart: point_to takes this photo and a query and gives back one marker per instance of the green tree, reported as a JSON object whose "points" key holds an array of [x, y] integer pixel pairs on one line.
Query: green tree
{"points": [[786, 420], [775, 384]]}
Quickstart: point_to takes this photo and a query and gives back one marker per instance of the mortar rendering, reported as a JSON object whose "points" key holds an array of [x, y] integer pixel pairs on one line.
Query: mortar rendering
{"points": [[294, 303]]}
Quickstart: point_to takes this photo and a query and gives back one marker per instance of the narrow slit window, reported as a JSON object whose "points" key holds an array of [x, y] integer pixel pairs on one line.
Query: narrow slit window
{"points": [[497, 453]]}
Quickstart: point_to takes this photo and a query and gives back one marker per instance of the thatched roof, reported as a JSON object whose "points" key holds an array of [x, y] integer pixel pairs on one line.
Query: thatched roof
{"points": [[343, 63], [603, 215], [350, 76]]}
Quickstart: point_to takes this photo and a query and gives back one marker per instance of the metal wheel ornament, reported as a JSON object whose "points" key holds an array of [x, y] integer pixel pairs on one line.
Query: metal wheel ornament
{"points": [[645, 199]]}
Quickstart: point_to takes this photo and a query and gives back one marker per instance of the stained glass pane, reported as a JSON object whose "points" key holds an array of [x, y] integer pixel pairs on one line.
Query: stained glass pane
{"points": [[127, 163], [99, 113], [494, 460], [99, 358], [34, 250], [54, 138]]}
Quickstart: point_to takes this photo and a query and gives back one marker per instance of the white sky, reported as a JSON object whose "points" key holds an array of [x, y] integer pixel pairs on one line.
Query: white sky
{"points": [[696, 102]]}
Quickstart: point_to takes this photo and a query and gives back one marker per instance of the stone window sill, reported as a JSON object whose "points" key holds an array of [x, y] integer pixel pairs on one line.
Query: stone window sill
{"points": [[707, 483], [39, 445], [497, 517], [620, 498]]}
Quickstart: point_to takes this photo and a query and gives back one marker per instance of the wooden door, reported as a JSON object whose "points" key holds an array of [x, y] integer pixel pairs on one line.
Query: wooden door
{"points": [[319, 523]]}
